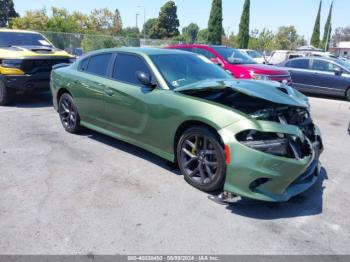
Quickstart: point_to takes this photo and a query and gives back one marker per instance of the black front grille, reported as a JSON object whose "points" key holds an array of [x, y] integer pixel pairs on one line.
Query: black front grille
{"points": [[31, 66]]}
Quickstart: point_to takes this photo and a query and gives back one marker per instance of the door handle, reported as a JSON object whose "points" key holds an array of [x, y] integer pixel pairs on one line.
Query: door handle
{"points": [[109, 91]]}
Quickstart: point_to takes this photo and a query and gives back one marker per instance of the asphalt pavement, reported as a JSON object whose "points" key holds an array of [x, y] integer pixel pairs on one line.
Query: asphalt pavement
{"points": [[91, 194]]}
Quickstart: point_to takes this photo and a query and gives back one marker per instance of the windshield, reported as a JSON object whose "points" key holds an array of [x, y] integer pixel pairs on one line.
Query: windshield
{"points": [[254, 54], [22, 39], [344, 64], [234, 56], [185, 69]]}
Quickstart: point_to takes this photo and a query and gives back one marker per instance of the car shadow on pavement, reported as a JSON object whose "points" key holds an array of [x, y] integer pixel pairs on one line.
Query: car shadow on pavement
{"points": [[308, 203], [132, 150], [33, 100]]}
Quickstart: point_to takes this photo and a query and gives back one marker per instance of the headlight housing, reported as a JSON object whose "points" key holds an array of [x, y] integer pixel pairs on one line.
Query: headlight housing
{"points": [[278, 144], [259, 76], [11, 63]]}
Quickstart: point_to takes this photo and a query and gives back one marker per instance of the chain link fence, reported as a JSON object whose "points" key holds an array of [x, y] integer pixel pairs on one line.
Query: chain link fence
{"points": [[78, 44]]}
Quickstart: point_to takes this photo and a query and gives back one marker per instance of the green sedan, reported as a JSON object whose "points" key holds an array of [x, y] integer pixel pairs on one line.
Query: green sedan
{"points": [[248, 138]]}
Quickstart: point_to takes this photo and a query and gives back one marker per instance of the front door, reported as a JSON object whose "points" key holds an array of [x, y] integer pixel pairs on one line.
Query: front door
{"points": [[127, 102]]}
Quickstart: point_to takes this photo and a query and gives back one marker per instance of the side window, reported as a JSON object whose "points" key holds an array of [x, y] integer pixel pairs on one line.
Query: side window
{"points": [[98, 64], [126, 66], [298, 63], [84, 64], [322, 65], [203, 52]]}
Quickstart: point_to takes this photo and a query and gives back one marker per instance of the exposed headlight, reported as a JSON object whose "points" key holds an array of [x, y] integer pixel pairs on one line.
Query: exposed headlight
{"points": [[258, 76], [275, 144], [11, 63]]}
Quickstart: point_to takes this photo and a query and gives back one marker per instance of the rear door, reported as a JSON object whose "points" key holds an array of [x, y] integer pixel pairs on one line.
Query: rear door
{"points": [[300, 72], [89, 87]]}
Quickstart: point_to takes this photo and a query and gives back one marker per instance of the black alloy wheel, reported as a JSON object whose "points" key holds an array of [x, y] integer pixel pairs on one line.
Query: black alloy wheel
{"points": [[69, 114], [201, 159], [7, 95], [348, 94]]}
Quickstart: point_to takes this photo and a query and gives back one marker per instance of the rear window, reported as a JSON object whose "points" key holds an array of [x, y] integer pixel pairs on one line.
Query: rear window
{"points": [[298, 63], [8, 39], [98, 64]]}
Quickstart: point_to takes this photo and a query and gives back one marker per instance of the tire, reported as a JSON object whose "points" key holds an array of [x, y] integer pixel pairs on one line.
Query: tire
{"points": [[69, 115], [201, 159], [348, 94], [7, 95]]}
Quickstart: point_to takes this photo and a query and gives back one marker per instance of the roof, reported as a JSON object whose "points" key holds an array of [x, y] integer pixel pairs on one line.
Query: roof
{"points": [[144, 50], [17, 31], [315, 57], [344, 44]]}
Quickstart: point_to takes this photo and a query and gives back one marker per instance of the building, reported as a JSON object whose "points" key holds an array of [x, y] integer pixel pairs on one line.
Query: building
{"points": [[342, 49]]}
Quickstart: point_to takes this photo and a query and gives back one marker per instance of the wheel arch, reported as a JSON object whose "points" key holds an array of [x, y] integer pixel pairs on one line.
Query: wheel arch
{"points": [[191, 123], [60, 92]]}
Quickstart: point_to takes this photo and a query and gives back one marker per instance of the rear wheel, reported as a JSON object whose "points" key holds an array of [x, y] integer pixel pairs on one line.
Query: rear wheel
{"points": [[201, 159], [7, 95], [69, 115]]}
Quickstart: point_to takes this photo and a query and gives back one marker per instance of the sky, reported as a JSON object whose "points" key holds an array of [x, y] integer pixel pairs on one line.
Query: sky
{"points": [[268, 14]]}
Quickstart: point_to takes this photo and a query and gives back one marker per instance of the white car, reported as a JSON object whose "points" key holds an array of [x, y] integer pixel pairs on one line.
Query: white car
{"points": [[257, 57]]}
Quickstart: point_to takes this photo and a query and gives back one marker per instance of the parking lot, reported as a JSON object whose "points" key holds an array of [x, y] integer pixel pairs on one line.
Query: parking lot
{"points": [[91, 194]]}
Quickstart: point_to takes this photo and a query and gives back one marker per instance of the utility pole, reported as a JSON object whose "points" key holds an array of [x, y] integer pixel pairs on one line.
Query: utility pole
{"points": [[137, 24], [144, 19]]}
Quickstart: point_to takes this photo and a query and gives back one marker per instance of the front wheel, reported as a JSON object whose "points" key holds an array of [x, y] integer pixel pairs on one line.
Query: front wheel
{"points": [[69, 115], [348, 94], [201, 159], [7, 95]]}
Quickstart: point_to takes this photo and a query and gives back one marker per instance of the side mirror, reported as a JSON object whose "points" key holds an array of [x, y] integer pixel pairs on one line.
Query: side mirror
{"points": [[145, 79], [338, 71], [217, 61]]}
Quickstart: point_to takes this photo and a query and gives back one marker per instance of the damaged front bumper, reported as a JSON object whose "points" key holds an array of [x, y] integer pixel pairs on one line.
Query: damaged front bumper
{"points": [[263, 176]]}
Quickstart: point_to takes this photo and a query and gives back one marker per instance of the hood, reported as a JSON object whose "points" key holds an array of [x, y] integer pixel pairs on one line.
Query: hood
{"points": [[31, 51], [264, 69], [267, 90]]}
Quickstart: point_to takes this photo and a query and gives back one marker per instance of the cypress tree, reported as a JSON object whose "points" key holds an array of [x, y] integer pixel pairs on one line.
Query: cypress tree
{"points": [[243, 35], [315, 39], [215, 28], [7, 11], [327, 29]]}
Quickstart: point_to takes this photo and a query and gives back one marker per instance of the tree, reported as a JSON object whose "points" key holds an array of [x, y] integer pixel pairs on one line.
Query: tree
{"points": [[341, 34], [117, 23], [230, 40], [104, 21], [327, 29], [262, 41], [167, 23], [287, 38], [243, 35], [7, 12], [148, 25], [33, 19], [202, 37], [315, 39], [131, 32], [190, 33], [215, 29]]}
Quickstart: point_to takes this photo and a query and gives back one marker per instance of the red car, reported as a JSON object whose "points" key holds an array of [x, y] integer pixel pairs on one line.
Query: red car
{"points": [[239, 64]]}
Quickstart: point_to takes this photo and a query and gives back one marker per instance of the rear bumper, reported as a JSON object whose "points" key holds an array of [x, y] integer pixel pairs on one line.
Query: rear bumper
{"points": [[34, 82]]}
